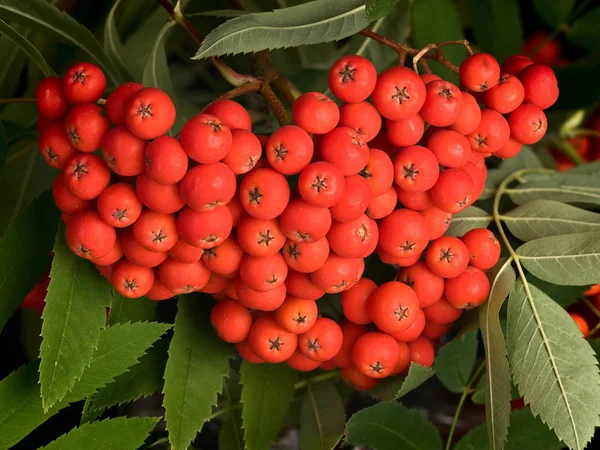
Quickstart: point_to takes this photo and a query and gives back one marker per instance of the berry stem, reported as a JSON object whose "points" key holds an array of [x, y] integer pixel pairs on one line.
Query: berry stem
{"points": [[237, 92], [569, 151], [322, 377], [6, 101], [275, 104], [399, 48]]}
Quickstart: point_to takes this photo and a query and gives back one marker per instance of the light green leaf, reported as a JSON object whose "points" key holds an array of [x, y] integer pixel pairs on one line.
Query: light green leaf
{"points": [[595, 344], [392, 426], [584, 31], [525, 158], [555, 12], [230, 433], [75, 313], [322, 417], [123, 309], [393, 388], [198, 362], [112, 41], [563, 295], [497, 376], [497, 26], [42, 15], [25, 252], [553, 366], [564, 188], [22, 42], [590, 168], [311, 23], [472, 217], [118, 434], [571, 260], [455, 361], [376, 9], [265, 386]]}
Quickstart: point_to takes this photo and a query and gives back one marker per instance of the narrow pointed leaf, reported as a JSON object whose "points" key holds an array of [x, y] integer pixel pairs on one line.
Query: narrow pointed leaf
{"points": [[525, 158], [26, 46], [75, 313], [564, 188], [376, 9], [472, 217], [584, 31], [554, 368], [14, 61], [392, 426], [393, 388], [322, 417], [267, 391], [553, 13], [123, 309], [456, 360], [571, 260], [497, 375], [112, 41], [310, 23], [198, 362], [230, 433]]}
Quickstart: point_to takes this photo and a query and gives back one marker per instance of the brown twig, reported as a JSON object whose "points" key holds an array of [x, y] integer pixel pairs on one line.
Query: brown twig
{"points": [[6, 101], [237, 92], [275, 104]]}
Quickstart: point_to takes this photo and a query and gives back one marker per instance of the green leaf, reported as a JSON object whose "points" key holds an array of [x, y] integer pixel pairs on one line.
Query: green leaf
{"points": [[584, 31], [198, 362], [227, 13], [265, 387], [112, 41], [541, 218], [564, 188], [123, 309], [476, 439], [525, 158], [3, 146], [22, 42], [554, 368], [24, 253], [42, 15], [393, 388], [589, 168], [555, 12], [497, 26], [14, 61], [438, 21], [311, 23], [571, 260], [75, 313], [322, 417], [118, 434], [376, 9], [472, 217], [455, 361], [595, 344], [392, 426], [230, 433], [497, 376], [563, 295]]}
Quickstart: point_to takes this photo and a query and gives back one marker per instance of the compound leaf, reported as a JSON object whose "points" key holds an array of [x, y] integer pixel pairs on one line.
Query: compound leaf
{"points": [[322, 417], [456, 360]]}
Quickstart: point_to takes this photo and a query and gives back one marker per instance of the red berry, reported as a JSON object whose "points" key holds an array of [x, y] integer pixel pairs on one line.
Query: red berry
{"points": [[528, 124], [231, 320], [351, 239], [404, 360], [131, 280], [115, 254], [337, 274], [362, 117], [453, 191], [158, 291], [447, 257], [315, 113], [205, 139], [264, 193], [50, 100], [270, 342], [382, 205], [86, 176], [434, 330], [346, 149], [245, 151], [375, 354], [150, 113], [393, 307], [225, 258], [442, 103], [468, 290], [437, 220], [204, 229], [206, 187], [405, 132], [55, 146], [403, 233], [216, 284], [321, 184], [259, 300], [289, 149], [156, 232], [411, 333], [118, 100], [300, 285], [138, 255], [540, 84], [484, 249], [415, 168], [183, 278], [450, 148], [236, 209], [352, 78], [421, 351], [581, 324], [357, 380], [160, 198], [246, 352], [306, 257], [478, 176], [231, 114], [86, 126], [351, 332], [124, 152], [379, 172], [88, 236], [322, 341], [302, 222], [415, 200], [299, 361], [83, 83], [469, 115], [260, 237], [354, 301], [510, 149], [513, 65], [492, 133], [297, 315], [441, 312], [479, 72], [263, 273], [428, 286], [67, 202], [506, 95], [399, 93], [166, 161], [354, 200], [119, 206]]}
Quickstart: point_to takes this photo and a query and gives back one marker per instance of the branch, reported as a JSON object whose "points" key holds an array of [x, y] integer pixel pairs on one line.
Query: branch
{"points": [[237, 92], [5, 101]]}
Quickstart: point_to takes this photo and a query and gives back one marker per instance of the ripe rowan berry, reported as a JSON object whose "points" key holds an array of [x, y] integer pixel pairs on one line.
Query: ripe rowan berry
{"points": [[315, 113], [50, 100], [131, 280], [156, 232], [479, 72], [244, 153], [453, 191], [351, 239], [160, 198], [399, 93], [354, 201], [410, 334], [442, 312], [55, 146], [382, 205], [225, 258], [306, 257], [231, 320], [88, 236], [442, 103], [374, 242], [183, 278], [328, 365], [150, 113], [478, 176], [415, 200], [297, 315], [354, 301], [300, 285], [118, 100], [513, 65], [506, 96], [299, 361], [437, 220], [83, 83], [114, 255], [379, 172], [421, 351], [216, 284], [492, 133], [123, 151], [357, 380], [119, 206], [138, 255], [351, 332], [447, 257], [510, 149], [415, 168], [396, 261], [264, 193], [158, 291], [165, 160], [86, 126], [260, 237], [469, 115], [337, 274], [263, 273], [184, 252], [208, 186], [403, 233], [259, 300], [322, 341], [346, 149], [450, 148], [375, 354], [393, 307], [528, 124], [404, 360], [230, 113], [483, 247], [204, 229], [405, 132], [205, 139], [246, 352], [471, 288], [86, 176], [352, 78], [302, 222], [435, 330], [270, 342], [321, 184], [67, 202], [289, 149], [236, 209], [540, 84], [362, 117], [428, 286], [581, 324]]}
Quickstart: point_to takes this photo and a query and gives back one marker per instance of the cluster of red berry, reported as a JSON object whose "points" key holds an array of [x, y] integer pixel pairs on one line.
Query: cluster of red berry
{"points": [[172, 233]]}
